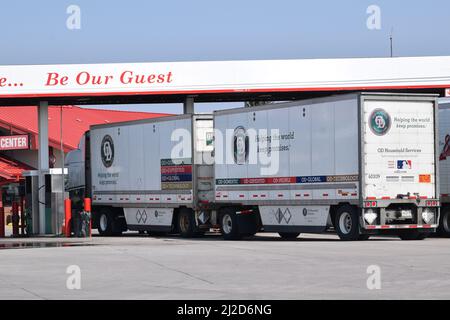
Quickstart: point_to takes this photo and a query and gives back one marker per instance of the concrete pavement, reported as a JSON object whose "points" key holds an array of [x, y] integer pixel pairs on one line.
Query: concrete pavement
{"points": [[264, 267]]}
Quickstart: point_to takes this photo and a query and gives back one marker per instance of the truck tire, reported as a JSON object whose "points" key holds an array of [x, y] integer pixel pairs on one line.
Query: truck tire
{"points": [[347, 223], [412, 235], [186, 223], [105, 223], [229, 225], [444, 223], [289, 235]]}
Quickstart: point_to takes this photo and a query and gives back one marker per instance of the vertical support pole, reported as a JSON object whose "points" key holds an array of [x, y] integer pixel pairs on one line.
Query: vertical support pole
{"points": [[42, 160], [63, 189], [2, 215], [188, 105], [22, 215]]}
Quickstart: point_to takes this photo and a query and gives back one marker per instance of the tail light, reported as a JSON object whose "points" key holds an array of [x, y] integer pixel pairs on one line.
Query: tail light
{"points": [[370, 204], [432, 203]]}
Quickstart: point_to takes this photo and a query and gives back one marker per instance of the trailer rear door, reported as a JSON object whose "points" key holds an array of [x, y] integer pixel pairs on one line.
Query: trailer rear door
{"points": [[398, 147]]}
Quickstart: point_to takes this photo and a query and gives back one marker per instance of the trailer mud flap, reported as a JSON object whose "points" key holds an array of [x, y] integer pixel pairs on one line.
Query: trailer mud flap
{"points": [[157, 219]]}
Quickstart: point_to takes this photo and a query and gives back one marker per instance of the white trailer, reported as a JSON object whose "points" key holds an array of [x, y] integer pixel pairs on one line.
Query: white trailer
{"points": [[360, 163], [136, 180], [363, 163]]}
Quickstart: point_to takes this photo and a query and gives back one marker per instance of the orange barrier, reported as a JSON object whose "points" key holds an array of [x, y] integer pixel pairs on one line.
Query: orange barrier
{"points": [[87, 204], [68, 216]]}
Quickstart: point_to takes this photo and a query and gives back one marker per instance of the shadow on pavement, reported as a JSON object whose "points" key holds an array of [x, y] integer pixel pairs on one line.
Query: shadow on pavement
{"points": [[262, 238], [25, 245]]}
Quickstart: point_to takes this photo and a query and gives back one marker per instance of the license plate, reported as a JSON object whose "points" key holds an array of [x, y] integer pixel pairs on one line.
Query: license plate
{"points": [[406, 214]]}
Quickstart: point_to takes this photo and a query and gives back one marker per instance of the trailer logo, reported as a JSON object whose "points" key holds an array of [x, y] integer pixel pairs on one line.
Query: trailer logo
{"points": [[281, 215], [379, 122], [404, 164], [141, 216], [240, 145], [107, 151]]}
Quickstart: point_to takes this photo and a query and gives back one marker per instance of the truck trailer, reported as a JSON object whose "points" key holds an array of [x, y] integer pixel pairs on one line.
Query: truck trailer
{"points": [[361, 164]]}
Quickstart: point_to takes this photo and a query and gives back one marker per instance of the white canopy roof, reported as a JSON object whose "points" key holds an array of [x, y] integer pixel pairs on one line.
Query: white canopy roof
{"points": [[224, 77]]}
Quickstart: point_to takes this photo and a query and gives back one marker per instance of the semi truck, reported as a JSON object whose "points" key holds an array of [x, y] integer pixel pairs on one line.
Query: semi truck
{"points": [[360, 164], [444, 168]]}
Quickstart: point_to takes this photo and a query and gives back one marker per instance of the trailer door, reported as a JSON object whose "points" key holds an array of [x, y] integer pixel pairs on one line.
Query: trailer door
{"points": [[398, 148]]}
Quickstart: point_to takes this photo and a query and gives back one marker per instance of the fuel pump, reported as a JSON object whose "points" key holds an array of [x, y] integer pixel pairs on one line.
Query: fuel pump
{"points": [[53, 200]]}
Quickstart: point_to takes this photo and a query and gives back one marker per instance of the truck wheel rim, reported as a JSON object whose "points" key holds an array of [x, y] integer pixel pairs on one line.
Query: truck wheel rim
{"points": [[227, 224], [345, 222], [184, 223], [103, 222]]}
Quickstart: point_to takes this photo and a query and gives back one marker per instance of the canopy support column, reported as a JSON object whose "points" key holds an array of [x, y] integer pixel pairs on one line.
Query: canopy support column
{"points": [[43, 161], [188, 105]]}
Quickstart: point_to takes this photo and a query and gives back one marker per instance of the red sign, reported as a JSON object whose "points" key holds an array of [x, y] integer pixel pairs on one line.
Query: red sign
{"points": [[18, 142]]}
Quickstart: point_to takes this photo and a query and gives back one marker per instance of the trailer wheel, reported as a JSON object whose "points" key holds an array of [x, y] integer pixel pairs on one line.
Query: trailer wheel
{"points": [[229, 225], [289, 235], [105, 223], [347, 223], [412, 235], [444, 223], [186, 223]]}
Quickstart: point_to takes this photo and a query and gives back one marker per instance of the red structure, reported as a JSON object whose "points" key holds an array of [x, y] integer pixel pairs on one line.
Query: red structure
{"points": [[20, 121], [75, 121]]}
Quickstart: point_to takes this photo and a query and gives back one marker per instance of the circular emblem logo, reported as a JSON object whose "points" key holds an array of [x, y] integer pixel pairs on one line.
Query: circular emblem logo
{"points": [[240, 145], [379, 122], [107, 151]]}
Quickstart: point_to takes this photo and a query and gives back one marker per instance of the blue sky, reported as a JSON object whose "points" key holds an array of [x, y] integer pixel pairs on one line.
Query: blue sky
{"points": [[35, 32]]}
